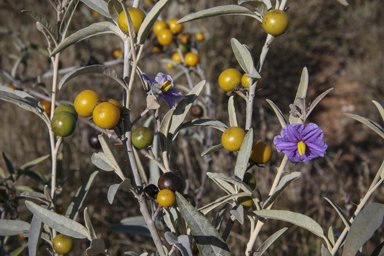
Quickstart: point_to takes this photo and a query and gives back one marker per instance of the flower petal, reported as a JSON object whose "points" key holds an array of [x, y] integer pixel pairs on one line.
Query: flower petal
{"points": [[147, 79], [171, 97], [162, 78]]}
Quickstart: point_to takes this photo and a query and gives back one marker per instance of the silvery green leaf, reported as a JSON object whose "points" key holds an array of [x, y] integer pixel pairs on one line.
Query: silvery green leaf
{"points": [[131, 29], [94, 29], [207, 237], [243, 56], [165, 125], [170, 218], [34, 162], [98, 69], [34, 235], [261, 6], [218, 11], [234, 181], [149, 20], [371, 124], [98, 5], [284, 182], [114, 9], [109, 154], [331, 235], [243, 155], [325, 251], [101, 161], [153, 167], [340, 212], [205, 122], [17, 251], [297, 219], [224, 185], [212, 149], [363, 227], [24, 100], [269, 242], [183, 107], [380, 108], [209, 207], [219, 217], [13, 227], [181, 243], [97, 246], [278, 113], [46, 23], [74, 207], [88, 224], [140, 166], [232, 113], [68, 16], [379, 250], [239, 214], [34, 195], [58, 222], [132, 225], [343, 2], [316, 101], [114, 188], [136, 220], [253, 74], [301, 93]]}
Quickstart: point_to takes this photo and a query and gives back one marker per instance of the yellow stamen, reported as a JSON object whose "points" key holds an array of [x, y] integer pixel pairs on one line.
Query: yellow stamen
{"points": [[301, 147], [166, 85]]}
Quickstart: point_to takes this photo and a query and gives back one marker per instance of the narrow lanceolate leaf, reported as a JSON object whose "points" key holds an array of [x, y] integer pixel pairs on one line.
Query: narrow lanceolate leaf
{"points": [[207, 238], [209, 207], [363, 227], [68, 16], [234, 181], [18, 251], [218, 11], [114, 188], [74, 208], [301, 93], [107, 149], [34, 162], [181, 243], [101, 161], [58, 222], [278, 113], [343, 2], [284, 182], [243, 56], [114, 9], [340, 212], [13, 227], [371, 124], [183, 107], [232, 112], [316, 101], [205, 122], [244, 154], [297, 219], [34, 235], [24, 100], [149, 20], [212, 149], [98, 5], [269, 242], [224, 185], [95, 29], [89, 225], [380, 108], [96, 69], [34, 195], [46, 23]]}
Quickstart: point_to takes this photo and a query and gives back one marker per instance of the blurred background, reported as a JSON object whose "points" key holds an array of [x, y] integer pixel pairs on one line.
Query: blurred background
{"points": [[340, 46]]}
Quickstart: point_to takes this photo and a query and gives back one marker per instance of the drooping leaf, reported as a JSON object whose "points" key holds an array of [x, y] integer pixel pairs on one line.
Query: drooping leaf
{"points": [[363, 227], [46, 23], [74, 207], [114, 188], [34, 235], [243, 156], [269, 242], [101, 161], [109, 154], [297, 219], [207, 237], [13, 227], [301, 93], [340, 212], [212, 149], [278, 113], [97, 69], [149, 20], [232, 112], [98, 5], [284, 182], [244, 57], [58, 222], [209, 207], [94, 29], [218, 11], [371, 124], [68, 16], [34, 162]]}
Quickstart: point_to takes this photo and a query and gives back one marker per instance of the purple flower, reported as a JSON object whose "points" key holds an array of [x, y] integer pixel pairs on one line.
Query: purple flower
{"points": [[162, 87], [301, 143]]}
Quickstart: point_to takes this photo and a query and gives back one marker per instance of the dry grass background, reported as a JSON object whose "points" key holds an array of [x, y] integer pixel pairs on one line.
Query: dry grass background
{"points": [[342, 48]]}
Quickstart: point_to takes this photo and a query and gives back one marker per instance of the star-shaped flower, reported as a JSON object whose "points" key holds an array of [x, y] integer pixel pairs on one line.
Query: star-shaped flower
{"points": [[162, 86], [301, 143]]}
